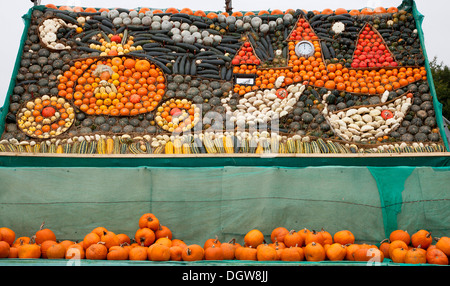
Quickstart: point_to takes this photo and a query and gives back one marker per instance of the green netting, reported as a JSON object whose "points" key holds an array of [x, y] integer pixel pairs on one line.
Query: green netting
{"points": [[199, 203]]}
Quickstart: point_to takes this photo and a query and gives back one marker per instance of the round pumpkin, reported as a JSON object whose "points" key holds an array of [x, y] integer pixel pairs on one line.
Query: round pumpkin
{"points": [[159, 252], [150, 221], [138, 252], [436, 256], [97, 251], [229, 249], [254, 238], [344, 237], [314, 236], [5, 249], [44, 234], [416, 256], [398, 255], [46, 245], [278, 234], [443, 244], [400, 235], [211, 241], [176, 253], [266, 253], [75, 251], [142, 66], [163, 231], [214, 252], [193, 252], [422, 239], [56, 251], [117, 253], [314, 252], [397, 244], [292, 254], [110, 239], [336, 252], [246, 253], [90, 239], [145, 236], [293, 238], [8, 235], [29, 250]]}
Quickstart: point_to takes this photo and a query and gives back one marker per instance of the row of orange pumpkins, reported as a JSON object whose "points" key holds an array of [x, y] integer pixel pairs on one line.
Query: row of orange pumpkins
{"points": [[154, 241]]}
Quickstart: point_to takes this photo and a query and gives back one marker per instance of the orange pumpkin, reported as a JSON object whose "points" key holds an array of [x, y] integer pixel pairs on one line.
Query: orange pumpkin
{"points": [[97, 251], [138, 252], [422, 239], [145, 236], [29, 250], [254, 238], [344, 237], [327, 238], [368, 254], [229, 249], [292, 254], [278, 234], [314, 252], [75, 251], [117, 253], [99, 230], [314, 236], [398, 255], [266, 253], [436, 256], [416, 256], [142, 66], [163, 231], [400, 235], [292, 239], [214, 252], [210, 242], [150, 221], [246, 253], [46, 245], [110, 239], [336, 252], [90, 239], [193, 252], [397, 244], [5, 249], [384, 247], [176, 253], [159, 252], [56, 251], [8, 235], [443, 244], [44, 234]]}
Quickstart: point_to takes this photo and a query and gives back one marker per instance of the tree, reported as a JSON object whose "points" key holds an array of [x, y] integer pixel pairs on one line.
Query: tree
{"points": [[441, 77]]}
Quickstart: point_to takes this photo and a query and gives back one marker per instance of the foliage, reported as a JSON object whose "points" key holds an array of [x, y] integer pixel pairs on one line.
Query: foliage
{"points": [[441, 77]]}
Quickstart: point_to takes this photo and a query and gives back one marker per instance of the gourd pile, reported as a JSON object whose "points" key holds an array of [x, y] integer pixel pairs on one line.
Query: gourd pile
{"points": [[155, 242], [119, 81]]}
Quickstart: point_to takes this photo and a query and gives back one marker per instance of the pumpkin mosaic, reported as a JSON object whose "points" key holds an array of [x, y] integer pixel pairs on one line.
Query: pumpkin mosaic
{"points": [[131, 81]]}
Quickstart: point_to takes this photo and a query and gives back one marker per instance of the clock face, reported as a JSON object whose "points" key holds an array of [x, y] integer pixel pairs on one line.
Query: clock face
{"points": [[304, 49]]}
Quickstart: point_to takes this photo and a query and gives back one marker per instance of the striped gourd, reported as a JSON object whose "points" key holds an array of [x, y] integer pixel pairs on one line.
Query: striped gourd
{"points": [[168, 148], [67, 148], [123, 148], [43, 148], [37, 148], [177, 146], [199, 144], [315, 147], [274, 145], [101, 146], [28, 148], [148, 146], [299, 146], [11, 147], [291, 146], [439, 148], [52, 148], [2, 148], [20, 149], [408, 149], [59, 149], [83, 148], [159, 150], [218, 142], [92, 147], [341, 148], [135, 148], [209, 145], [109, 146], [194, 148], [332, 147], [307, 148], [116, 145], [236, 144], [76, 147], [229, 144], [186, 148], [323, 146]]}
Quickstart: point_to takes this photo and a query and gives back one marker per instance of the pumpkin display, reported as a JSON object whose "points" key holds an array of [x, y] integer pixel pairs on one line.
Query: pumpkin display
{"points": [[314, 252], [421, 239], [56, 251], [254, 238], [81, 78], [44, 234]]}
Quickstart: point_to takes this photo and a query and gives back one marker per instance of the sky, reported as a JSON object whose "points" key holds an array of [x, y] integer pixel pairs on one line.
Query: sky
{"points": [[436, 41]]}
